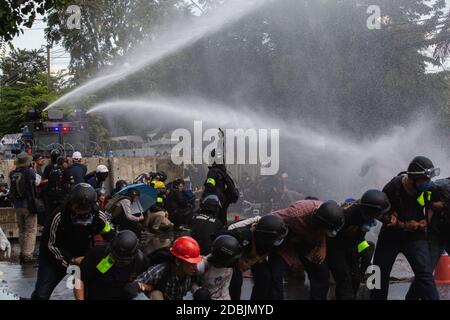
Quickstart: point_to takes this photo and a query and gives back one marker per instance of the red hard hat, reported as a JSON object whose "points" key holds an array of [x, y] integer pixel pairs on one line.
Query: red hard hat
{"points": [[187, 249]]}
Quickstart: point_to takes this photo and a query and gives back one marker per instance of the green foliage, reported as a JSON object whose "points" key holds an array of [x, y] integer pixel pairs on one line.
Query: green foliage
{"points": [[16, 14]]}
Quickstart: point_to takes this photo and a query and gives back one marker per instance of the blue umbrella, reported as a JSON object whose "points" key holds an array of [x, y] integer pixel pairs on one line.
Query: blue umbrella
{"points": [[147, 196]]}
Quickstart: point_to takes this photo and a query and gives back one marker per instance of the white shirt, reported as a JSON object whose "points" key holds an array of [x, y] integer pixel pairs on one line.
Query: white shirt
{"points": [[216, 280]]}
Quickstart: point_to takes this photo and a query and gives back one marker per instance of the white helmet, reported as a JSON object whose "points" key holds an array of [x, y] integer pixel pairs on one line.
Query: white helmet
{"points": [[76, 155], [102, 169]]}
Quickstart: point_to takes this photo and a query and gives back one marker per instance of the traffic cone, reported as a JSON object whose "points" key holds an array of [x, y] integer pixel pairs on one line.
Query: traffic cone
{"points": [[442, 271]]}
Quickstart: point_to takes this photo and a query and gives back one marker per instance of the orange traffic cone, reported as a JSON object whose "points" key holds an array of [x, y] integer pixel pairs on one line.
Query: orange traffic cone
{"points": [[442, 272]]}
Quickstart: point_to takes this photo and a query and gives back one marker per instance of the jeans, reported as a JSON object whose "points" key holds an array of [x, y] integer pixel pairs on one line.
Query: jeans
{"points": [[348, 268], [437, 247], [418, 255], [48, 277], [319, 278]]}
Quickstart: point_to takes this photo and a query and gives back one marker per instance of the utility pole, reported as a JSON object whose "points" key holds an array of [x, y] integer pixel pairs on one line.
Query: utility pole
{"points": [[48, 68]]}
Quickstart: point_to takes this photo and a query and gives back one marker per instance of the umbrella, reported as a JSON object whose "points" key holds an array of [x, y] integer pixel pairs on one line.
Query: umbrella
{"points": [[147, 196]]}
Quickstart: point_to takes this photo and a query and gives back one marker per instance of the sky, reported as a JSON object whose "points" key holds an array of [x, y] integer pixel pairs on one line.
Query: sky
{"points": [[34, 39]]}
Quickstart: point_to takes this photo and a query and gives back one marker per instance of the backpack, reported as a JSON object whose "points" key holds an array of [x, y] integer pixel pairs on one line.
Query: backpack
{"points": [[232, 193], [113, 206], [18, 185], [56, 179]]}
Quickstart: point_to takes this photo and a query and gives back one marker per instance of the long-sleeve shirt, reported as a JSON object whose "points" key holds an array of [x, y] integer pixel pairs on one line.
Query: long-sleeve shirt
{"points": [[62, 241], [303, 236], [126, 207]]}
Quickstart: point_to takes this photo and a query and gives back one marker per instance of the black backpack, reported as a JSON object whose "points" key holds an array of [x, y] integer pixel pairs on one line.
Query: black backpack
{"points": [[231, 192], [56, 179], [19, 183]]}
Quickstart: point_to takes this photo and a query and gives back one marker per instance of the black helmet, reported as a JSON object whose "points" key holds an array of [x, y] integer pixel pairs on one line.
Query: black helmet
{"points": [[60, 161], [133, 193], [270, 232], [375, 203], [120, 184], [211, 205], [83, 197], [225, 251], [422, 168], [124, 247], [329, 216], [162, 176], [54, 155]]}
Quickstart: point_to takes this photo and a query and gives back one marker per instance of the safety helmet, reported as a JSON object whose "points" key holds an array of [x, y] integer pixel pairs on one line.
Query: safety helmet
{"points": [[102, 169], [270, 230], [133, 193], [211, 204], [422, 168], [76, 156], [225, 252], [83, 196], [124, 247], [329, 216], [375, 203], [186, 249], [158, 184], [120, 184]]}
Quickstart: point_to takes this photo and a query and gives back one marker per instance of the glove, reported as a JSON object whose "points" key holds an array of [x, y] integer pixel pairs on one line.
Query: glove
{"points": [[202, 294], [5, 246], [131, 290]]}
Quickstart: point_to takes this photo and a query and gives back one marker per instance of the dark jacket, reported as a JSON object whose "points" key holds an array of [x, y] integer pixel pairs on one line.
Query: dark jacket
{"points": [[219, 182], [62, 241], [177, 203], [77, 171]]}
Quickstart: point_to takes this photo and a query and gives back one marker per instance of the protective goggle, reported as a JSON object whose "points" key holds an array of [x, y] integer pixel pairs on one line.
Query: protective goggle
{"points": [[429, 173], [379, 209], [278, 238], [82, 220]]}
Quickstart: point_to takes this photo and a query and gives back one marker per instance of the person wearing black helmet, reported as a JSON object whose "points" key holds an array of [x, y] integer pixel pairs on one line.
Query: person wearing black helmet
{"points": [[57, 187], [220, 183], [404, 228], [310, 222], [349, 253], [67, 238], [106, 270], [120, 184], [123, 217], [258, 236], [54, 155], [205, 223], [438, 228], [216, 269]]}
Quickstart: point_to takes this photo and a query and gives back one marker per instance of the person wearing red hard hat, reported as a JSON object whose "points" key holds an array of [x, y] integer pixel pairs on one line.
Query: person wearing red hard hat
{"points": [[174, 276]]}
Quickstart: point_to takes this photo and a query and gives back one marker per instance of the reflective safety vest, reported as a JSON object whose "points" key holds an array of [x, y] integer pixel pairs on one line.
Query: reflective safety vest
{"points": [[424, 197]]}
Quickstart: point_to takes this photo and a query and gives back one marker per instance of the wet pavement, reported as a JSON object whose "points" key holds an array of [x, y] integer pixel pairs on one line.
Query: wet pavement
{"points": [[21, 278]]}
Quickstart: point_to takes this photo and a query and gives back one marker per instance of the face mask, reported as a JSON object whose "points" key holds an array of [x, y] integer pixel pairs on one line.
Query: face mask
{"points": [[424, 187], [331, 233], [368, 225], [82, 220], [278, 242]]}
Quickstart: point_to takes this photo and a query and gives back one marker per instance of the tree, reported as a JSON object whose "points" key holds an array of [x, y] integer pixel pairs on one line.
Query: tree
{"points": [[16, 14], [23, 67], [110, 29]]}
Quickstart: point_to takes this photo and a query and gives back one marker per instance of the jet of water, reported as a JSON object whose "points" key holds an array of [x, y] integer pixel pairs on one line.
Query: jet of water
{"points": [[177, 37], [346, 166]]}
